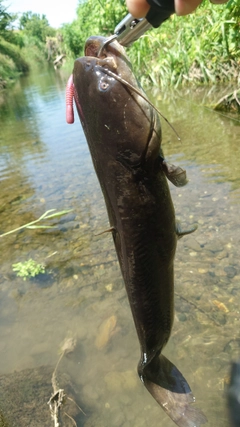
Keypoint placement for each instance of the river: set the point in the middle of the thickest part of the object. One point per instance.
(45, 164)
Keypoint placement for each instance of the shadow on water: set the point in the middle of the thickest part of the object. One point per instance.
(45, 164)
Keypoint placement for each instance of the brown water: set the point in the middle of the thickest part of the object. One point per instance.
(45, 164)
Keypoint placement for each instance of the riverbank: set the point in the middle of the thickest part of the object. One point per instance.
(33, 42)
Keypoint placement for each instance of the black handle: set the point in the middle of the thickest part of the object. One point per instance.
(160, 10)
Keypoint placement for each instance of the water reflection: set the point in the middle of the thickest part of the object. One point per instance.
(208, 137)
(45, 164)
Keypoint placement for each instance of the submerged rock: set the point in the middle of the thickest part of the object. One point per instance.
(24, 396)
(106, 331)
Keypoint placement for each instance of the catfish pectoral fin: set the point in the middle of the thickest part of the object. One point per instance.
(172, 392)
(175, 174)
(109, 230)
(180, 232)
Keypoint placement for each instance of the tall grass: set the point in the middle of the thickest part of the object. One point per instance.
(8, 71)
(203, 47)
(33, 50)
(12, 63)
(14, 52)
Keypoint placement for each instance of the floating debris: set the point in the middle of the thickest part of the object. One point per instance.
(58, 396)
(229, 102)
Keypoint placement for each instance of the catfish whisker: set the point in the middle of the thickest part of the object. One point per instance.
(126, 83)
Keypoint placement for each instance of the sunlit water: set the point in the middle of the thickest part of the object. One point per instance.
(45, 164)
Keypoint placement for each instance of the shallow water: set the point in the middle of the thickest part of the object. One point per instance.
(45, 164)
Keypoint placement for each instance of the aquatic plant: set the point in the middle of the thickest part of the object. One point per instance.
(29, 268)
(31, 225)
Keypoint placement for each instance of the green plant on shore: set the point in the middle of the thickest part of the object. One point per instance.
(27, 269)
(32, 224)
(203, 47)
(19, 49)
(93, 18)
(13, 51)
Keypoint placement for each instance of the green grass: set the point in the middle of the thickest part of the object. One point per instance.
(12, 63)
(8, 71)
(14, 52)
(200, 48)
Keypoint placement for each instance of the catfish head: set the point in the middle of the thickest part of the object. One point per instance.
(118, 123)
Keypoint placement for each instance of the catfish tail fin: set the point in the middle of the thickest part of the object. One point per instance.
(172, 392)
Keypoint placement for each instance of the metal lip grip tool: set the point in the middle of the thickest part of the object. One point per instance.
(130, 28)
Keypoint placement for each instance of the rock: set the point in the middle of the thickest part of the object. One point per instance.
(106, 330)
(24, 396)
(117, 418)
(90, 393)
(213, 247)
(119, 381)
(193, 245)
(182, 317)
(231, 271)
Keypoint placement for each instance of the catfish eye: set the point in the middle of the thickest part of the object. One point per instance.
(103, 85)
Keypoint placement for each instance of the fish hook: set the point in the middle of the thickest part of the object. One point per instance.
(109, 40)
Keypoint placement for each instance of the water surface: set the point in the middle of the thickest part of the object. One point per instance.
(45, 164)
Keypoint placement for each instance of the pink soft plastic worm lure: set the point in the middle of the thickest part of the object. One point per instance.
(69, 100)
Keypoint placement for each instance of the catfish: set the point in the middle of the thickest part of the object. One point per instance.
(123, 133)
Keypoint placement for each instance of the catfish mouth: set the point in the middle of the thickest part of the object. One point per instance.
(100, 47)
(109, 55)
(93, 46)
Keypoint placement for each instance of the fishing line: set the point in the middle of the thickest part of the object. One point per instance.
(126, 83)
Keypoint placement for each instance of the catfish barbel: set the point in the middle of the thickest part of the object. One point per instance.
(124, 135)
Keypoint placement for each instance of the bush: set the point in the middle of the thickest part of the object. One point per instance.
(93, 18)
(202, 47)
(13, 52)
(8, 71)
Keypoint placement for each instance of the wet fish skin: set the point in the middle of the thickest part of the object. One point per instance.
(233, 395)
(124, 134)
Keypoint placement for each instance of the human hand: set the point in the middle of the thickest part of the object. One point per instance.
(184, 7)
(140, 8)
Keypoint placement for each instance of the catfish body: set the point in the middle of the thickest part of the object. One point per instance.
(233, 394)
(124, 135)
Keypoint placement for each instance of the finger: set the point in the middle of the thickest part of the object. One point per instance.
(184, 7)
(218, 1)
(138, 8)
